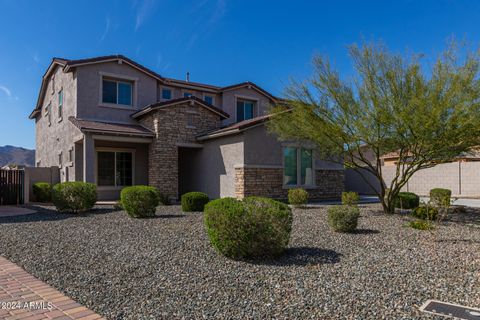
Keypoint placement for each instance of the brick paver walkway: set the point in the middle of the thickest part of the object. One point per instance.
(22, 296)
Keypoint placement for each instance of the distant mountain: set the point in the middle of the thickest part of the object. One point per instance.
(16, 155)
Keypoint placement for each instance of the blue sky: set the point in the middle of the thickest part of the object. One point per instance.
(218, 41)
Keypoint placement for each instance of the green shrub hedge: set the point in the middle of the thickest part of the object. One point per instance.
(407, 200)
(343, 218)
(42, 191)
(74, 196)
(249, 229)
(440, 197)
(297, 197)
(425, 213)
(350, 198)
(194, 201)
(140, 201)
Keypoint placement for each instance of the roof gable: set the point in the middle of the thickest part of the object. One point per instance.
(174, 102)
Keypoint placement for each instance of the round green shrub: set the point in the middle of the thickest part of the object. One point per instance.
(249, 229)
(407, 200)
(74, 196)
(350, 198)
(42, 191)
(343, 218)
(297, 197)
(140, 201)
(194, 201)
(425, 213)
(440, 197)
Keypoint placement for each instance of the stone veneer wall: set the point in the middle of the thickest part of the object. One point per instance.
(171, 131)
(268, 182)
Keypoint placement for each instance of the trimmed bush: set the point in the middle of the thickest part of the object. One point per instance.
(407, 200)
(421, 225)
(343, 218)
(140, 201)
(74, 196)
(194, 201)
(42, 191)
(440, 197)
(350, 198)
(425, 213)
(297, 197)
(249, 229)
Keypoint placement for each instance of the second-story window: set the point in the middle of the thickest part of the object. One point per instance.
(187, 94)
(117, 92)
(60, 103)
(208, 99)
(166, 94)
(244, 110)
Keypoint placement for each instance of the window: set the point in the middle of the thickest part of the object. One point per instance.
(244, 110)
(166, 94)
(60, 159)
(70, 154)
(60, 103)
(187, 94)
(297, 167)
(114, 168)
(208, 99)
(117, 92)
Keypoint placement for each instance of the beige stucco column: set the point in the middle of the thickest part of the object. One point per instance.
(88, 158)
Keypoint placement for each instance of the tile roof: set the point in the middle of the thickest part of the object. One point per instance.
(108, 127)
(173, 102)
(235, 128)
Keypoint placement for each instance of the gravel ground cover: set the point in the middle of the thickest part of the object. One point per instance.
(164, 267)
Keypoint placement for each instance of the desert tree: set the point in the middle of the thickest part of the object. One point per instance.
(425, 114)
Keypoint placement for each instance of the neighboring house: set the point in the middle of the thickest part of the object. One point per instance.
(113, 122)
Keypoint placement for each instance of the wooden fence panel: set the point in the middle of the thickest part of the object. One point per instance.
(12, 187)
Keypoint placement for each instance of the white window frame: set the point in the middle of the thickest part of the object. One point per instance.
(299, 168)
(161, 93)
(118, 78)
(209, 95)
(115, 150)
(256, 105)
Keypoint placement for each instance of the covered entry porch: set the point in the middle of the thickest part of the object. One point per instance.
(112, 159)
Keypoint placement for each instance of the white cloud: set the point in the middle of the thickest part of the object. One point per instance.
(219, 11)
(6, 91)
(144, 11)
(107, 29)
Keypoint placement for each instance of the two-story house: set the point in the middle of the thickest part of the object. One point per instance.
(113, 122)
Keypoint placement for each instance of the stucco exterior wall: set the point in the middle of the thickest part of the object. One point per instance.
(214, 166)
(56, 137)
(89, 97)
(173, 132)
(263, 148)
